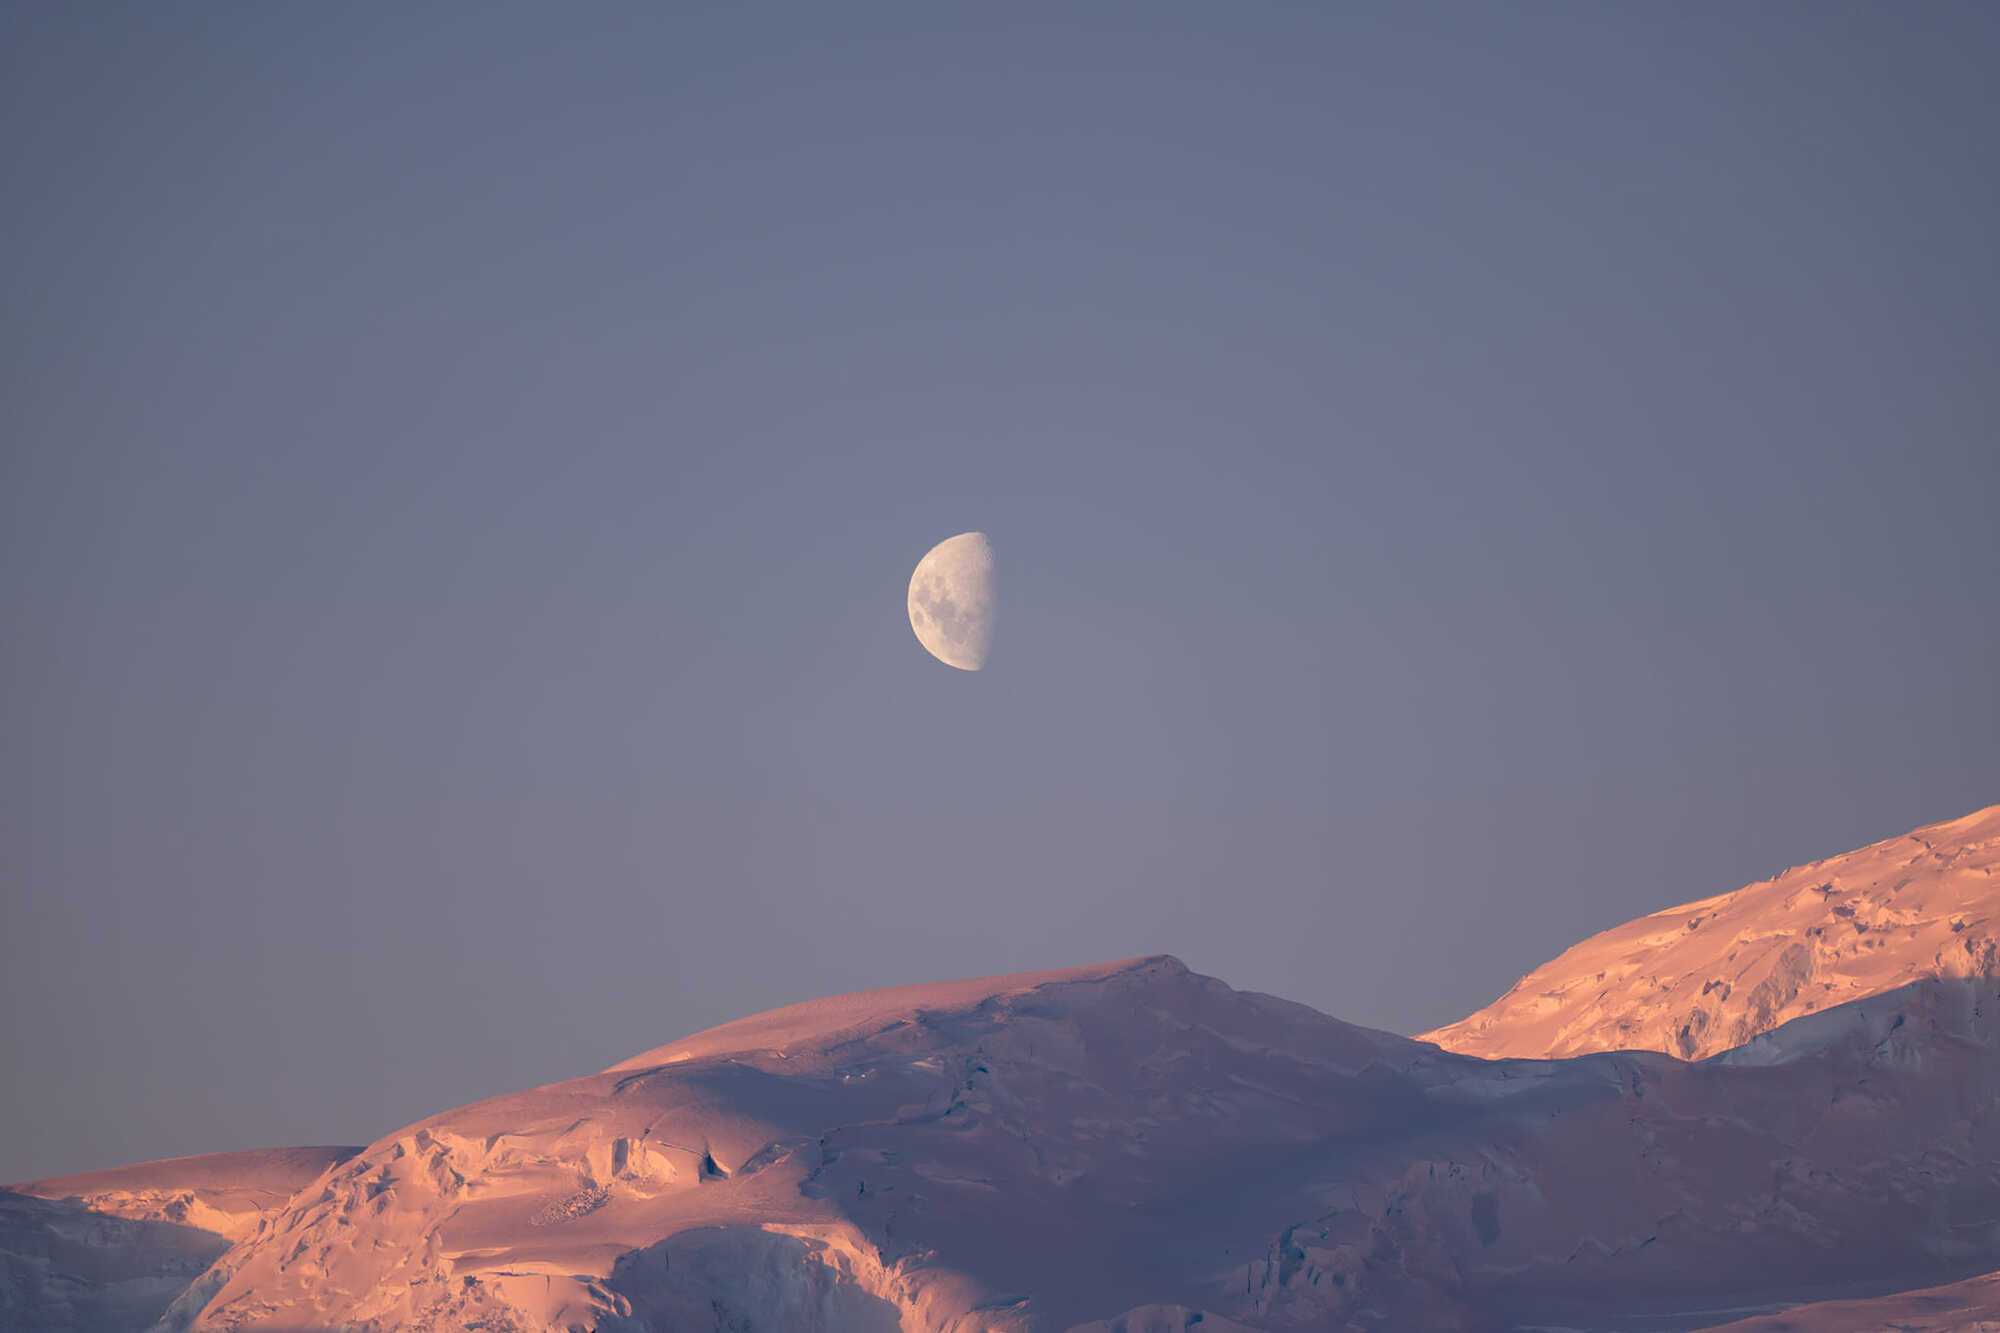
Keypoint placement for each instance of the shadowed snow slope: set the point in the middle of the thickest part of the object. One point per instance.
(1131, 1146)
(1703, 977)
(109, 1250)
(227, 1193)
(1972, 1306)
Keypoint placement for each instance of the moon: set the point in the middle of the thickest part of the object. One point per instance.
(951, 600)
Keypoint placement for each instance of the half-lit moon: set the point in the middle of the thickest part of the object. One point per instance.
(951, 600)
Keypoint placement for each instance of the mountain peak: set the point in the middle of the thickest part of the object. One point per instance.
(1047, 1150)
(1709, 975)
(813, 1023)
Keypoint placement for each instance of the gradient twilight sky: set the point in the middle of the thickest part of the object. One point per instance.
(1462, 476)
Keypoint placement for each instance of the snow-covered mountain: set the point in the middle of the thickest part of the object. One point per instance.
(1133, 1141)
(223, 1193)
(110, 1249)
(1709, 975)
(1130, 1147)
(1971, 1306)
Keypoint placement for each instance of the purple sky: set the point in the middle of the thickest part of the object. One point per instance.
(1462, 477)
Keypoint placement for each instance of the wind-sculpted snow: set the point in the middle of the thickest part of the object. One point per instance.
(1133, 1146)
(1705, 976)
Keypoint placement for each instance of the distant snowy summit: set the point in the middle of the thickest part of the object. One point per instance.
(1706, 976)
(1131, 1146)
